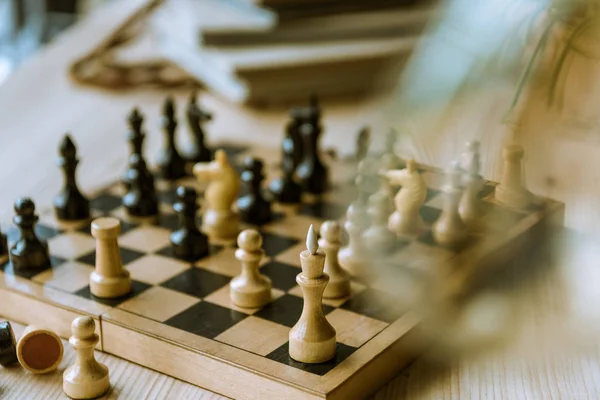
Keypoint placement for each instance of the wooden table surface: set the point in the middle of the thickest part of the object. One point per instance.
(38, 104)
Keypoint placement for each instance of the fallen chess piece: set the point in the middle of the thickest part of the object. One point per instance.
(8, 345)
(39, 350)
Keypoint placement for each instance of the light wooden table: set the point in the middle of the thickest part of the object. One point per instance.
(39, 104)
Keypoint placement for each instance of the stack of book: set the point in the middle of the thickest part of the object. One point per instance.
(272, 51)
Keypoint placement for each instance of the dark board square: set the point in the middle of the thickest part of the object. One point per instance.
(431, 193)
(282, 355)
(8, 268)
(168, 252)
(286, 310)
(196, 282)
(323, 210)
(206, 319)
(168, 195)
(283, 276)
(42, 231)
(375, 304)
(169, 221)
(127, 256)
(105, 203)
(430, 214)
(137, 287)
(274, 244)
(486, 190)
(125, 227)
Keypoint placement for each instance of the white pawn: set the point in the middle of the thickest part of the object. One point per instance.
(449, 229)
(110, 279)
(339, 280)
(87, 378)
(250, 289)
(511, 190)
(378, 238)
(406, 221)
(470, 207)
(470, 160)
(354, 258)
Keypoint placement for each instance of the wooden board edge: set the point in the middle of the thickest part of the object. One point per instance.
(28, 310)
(195, 368)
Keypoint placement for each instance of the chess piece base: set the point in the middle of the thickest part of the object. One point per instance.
(516, 198)
(80, 383)
(39, 350)
(30, 257)
(379, 240)
(337, 288)
(312, 352)
(110, 287)
(254, 296)
(355, 264)
(449, 233)
(406, 224)
(221, 224)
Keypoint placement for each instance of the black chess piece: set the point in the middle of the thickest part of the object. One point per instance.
(69, 203)
(311, 172)
(254, 208)
(3, 244)
(187, 242)
(196, 117)
(140, 200)
(314, 111)
(135, 137)
(363, 141)
(28, 252)
(171, 165)
(292, 139)
(285, 189)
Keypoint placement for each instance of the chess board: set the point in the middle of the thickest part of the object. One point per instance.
(179, 320)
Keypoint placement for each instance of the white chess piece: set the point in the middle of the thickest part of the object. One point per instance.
(449, 229)
(109, 279)
(220, 220)
(339, 280)
(312, 339)
(353, 257)
(511, 190)
(378, 239)
(87, 378)
(406, 220)
(250, 289)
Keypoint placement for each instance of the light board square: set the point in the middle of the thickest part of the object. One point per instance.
(70, 276)
(159, 303)
(155, 269)
(256, 335)
(71, 245)
(146, 238)
(354, 329)
(221, 297)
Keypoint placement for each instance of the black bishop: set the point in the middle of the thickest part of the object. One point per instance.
(171, 165)
(196, 118)
(69, 203)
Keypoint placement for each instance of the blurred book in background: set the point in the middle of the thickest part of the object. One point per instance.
(273, 51)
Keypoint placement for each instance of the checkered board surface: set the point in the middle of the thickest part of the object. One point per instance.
(181, 310)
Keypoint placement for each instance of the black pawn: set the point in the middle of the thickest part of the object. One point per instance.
(3, 244)
(196, 117)
(285, 189)
(140, 200)
(28, 252)
(69, 203)
(312, 172)
(254, 208)
(188, 243)
(171, 165)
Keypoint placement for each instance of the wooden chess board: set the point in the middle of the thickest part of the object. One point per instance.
(179, 320)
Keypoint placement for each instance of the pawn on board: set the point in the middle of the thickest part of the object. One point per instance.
(250, 289)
